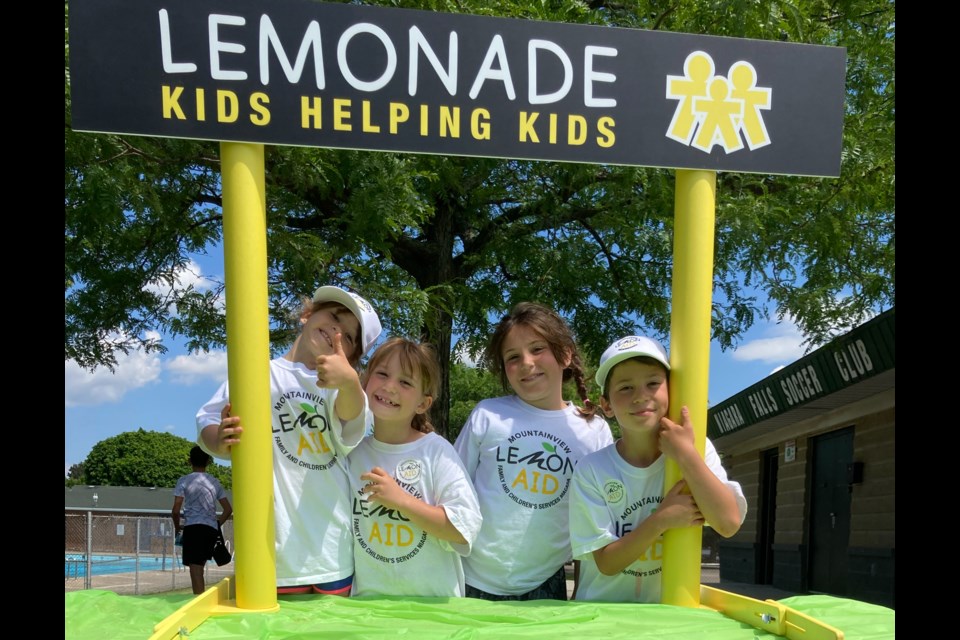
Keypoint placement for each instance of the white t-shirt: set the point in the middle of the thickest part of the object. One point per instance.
(521, 460)
(310, 486)
(200, 492)
(392, 555)
(609, 498)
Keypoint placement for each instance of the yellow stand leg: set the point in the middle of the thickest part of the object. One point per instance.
(248, 362)
(180, 623)
(689, 378)
(690, 315)
(769, 615)
(248, 369)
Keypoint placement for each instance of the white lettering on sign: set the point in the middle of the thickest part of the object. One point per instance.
(762, 402)
(801, 385)
(729, 419)
(853, 361)
(495, 67)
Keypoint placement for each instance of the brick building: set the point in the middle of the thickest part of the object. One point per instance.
(813, 447)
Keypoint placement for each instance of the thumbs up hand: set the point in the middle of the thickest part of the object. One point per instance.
(334, 370)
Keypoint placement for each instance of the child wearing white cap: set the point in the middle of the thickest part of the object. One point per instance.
(618, 511)
(319, 414)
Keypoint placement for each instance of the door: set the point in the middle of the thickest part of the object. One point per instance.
(830, 512)
(770, 462)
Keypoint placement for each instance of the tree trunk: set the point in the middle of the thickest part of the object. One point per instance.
(439, 328)
(441, 338)
(431, 262)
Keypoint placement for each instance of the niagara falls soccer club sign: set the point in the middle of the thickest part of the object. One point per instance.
(295, 72)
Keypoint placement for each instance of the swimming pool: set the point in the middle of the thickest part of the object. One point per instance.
(75, 564)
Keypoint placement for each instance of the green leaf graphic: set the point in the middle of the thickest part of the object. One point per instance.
(549, 447)
(309, 408)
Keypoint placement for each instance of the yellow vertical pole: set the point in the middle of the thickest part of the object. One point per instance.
(690, 315)
(248, 362)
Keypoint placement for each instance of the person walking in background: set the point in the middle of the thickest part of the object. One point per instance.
(319, 413)
(197, 494)
(415, 512)
(618, 512)
(520, 451)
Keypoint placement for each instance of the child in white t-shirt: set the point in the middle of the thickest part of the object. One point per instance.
(414, 509)
(318, 414)
(618, 512)
(520, 451)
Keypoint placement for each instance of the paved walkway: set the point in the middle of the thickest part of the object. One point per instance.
(710, 576)
(161, 581)
(148, 582)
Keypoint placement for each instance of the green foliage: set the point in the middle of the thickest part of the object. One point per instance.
(468, 386)
(74, 475)
(443, 246)
(144, 459)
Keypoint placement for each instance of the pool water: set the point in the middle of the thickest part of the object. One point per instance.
(75, 564)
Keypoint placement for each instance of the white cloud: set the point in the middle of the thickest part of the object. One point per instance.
(780, 349)
(784, 345)
(188, 369)
(462, 355)
(785, 342)
(187, 276)
(101, 386)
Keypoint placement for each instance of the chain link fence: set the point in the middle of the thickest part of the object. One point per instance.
(129, 554)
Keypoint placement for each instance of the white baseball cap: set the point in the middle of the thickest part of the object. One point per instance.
(626, 348)
(369, 321)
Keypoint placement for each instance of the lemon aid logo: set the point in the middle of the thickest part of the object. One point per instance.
(385, 534)
(300, 431)
(535, 470)
(715, 109)
(409, 471)
(613, 491)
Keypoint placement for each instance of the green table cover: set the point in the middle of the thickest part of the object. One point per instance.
(104, 614)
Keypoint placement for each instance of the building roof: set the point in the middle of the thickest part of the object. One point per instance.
(854, 366)
(129, 499)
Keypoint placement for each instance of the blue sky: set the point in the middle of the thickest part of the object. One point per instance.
(163, 392)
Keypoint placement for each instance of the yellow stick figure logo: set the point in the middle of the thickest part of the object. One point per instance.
(716, 110)
(743, 77)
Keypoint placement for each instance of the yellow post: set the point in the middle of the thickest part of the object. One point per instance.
(248, 362)
(694, 211)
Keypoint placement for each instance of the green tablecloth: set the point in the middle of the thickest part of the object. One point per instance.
(104, 614)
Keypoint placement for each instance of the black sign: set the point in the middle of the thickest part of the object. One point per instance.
(866, 351)
(295, 72)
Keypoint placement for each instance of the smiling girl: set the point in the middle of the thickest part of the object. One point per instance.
(415, 511)
(520, 450)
